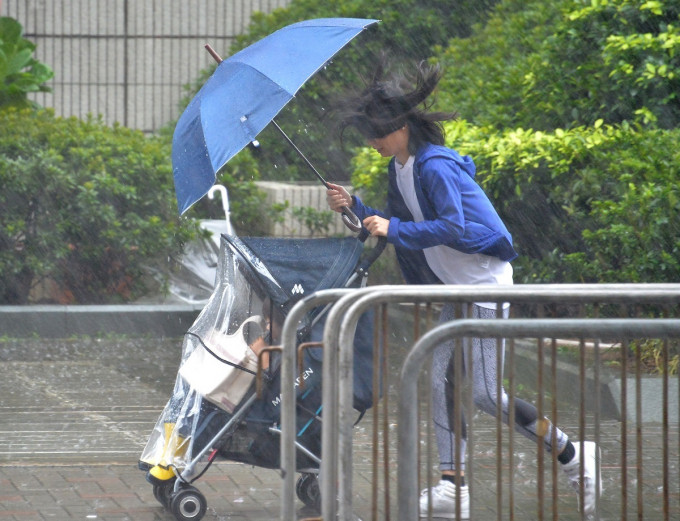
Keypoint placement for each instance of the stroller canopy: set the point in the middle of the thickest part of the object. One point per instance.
(292, 268)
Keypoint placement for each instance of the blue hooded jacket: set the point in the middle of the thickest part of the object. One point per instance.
(457, 213)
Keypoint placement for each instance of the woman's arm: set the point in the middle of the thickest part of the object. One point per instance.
(443, 211)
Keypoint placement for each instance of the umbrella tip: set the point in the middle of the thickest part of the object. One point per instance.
(212, 52)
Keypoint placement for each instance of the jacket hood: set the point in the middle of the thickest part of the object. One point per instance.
(465, 163)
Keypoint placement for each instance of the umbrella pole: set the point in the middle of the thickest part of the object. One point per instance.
(304, 158)
(348, 216)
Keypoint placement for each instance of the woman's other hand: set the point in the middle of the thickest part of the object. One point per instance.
(377, 226)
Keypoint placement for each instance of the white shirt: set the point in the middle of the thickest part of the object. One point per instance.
(450, 265)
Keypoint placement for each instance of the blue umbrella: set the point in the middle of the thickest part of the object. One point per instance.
(244, 94)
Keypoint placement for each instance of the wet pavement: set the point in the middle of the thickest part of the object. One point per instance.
(75, 415)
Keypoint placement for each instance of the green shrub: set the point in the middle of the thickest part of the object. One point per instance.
(597, 204)
(651, 353)
(84, 205)
(20, 73)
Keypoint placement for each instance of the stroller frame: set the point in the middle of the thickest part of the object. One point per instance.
(179, 495)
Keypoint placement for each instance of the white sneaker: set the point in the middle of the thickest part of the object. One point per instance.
(444, 501)
(592, 482)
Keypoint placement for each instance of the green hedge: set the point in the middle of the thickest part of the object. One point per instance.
(597, 204)
(557, 64)
(84, 205)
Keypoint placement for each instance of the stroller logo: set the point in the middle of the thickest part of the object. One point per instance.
(298, 289)
(305, 374)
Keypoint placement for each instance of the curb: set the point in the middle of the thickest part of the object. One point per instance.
(54, 321)
(608, 387)
(568, 380)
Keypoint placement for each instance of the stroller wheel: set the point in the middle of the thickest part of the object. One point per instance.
(188, 504)
(307, 490)
(163, 491)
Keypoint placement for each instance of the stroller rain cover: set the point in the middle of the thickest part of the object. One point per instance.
(257, 282)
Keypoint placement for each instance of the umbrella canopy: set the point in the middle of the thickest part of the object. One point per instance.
(246, 91)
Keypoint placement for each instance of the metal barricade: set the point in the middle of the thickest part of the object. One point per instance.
(349, 305)
(538, 328)
(289, 343)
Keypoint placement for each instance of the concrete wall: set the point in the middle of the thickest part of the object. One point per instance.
(299, 195)
(66, 321)
(128, 60)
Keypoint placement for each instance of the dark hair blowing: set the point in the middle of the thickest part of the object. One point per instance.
(387, 104)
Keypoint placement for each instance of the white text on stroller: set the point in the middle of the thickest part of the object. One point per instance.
(305, 374)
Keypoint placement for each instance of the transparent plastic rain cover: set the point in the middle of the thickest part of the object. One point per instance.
(247, 307)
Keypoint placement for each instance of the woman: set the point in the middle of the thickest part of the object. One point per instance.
(445, 230)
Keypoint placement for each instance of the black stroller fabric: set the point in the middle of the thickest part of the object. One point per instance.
(303, 266)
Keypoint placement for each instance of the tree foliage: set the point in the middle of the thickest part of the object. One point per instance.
(589, 204)
(548, 65)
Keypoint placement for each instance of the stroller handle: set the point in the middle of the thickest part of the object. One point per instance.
(373, 255)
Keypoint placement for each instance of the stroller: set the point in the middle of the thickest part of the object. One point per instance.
(214, 410)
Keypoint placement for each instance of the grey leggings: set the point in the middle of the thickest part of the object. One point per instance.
(485, 372)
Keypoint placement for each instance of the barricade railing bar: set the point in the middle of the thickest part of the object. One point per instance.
(408, 436)
(349, 305)
(288, 374)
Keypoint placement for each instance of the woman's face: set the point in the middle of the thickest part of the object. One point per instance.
(393, 144)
